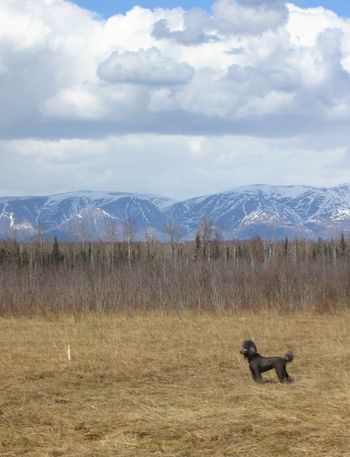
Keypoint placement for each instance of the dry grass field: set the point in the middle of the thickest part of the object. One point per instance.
(173, 385)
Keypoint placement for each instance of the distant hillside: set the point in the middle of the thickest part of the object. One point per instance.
(243, 212)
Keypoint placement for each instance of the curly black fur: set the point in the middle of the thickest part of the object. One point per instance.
(258, 364)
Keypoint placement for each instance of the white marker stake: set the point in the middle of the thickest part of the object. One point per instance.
(69, 353)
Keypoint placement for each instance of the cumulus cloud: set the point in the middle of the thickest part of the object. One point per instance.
(146, 67)
(196, 29)
(248, 17)
(42, 48)
(230, 17)
(251, 67)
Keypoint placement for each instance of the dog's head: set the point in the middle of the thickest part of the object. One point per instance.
(248, 349)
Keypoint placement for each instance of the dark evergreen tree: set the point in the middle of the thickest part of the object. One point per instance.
(342, 245)
(197, 247)
(56, 254)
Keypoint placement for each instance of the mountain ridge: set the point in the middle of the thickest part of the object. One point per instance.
(240, 212)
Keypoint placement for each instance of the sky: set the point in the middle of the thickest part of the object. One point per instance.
(170, 98)
(107, 8)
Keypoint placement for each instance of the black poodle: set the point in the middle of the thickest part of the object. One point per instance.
(258, 364)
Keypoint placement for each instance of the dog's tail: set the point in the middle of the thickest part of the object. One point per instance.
(289, 357)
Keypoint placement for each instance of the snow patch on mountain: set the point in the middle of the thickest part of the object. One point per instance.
(245, 211)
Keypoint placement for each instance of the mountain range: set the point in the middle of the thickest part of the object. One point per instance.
(272, 212)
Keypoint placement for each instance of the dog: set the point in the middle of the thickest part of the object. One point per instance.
(258, 364)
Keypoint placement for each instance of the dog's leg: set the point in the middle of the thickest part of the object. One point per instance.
(280, 371)
(287, 377)
(252, 373)
(256, 374)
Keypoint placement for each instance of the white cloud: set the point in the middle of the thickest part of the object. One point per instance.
(343, 163)
(177, 167)
(230, 17)
(196, 28)
(75, 103)
(66, 73)
(247, 17)
(146, 67)
(199, 86)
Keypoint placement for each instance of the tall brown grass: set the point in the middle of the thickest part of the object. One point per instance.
(173, 385)
(155, 331)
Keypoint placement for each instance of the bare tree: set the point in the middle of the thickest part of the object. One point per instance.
(129, 235)
(150, 238)
(206, 232)
(174, 231)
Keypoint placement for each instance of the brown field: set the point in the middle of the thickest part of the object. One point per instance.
(173, 385)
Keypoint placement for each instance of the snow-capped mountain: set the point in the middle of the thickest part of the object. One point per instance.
(270, 211)
(243, 212)
(82, 215)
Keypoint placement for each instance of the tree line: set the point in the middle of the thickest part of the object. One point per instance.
(206, 274)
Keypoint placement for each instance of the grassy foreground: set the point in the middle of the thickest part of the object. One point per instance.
(173, 385)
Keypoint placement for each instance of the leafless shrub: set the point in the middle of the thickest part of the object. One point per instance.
(49, 278)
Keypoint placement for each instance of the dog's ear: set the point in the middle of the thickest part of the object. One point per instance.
(251, 350)
(249, 344)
